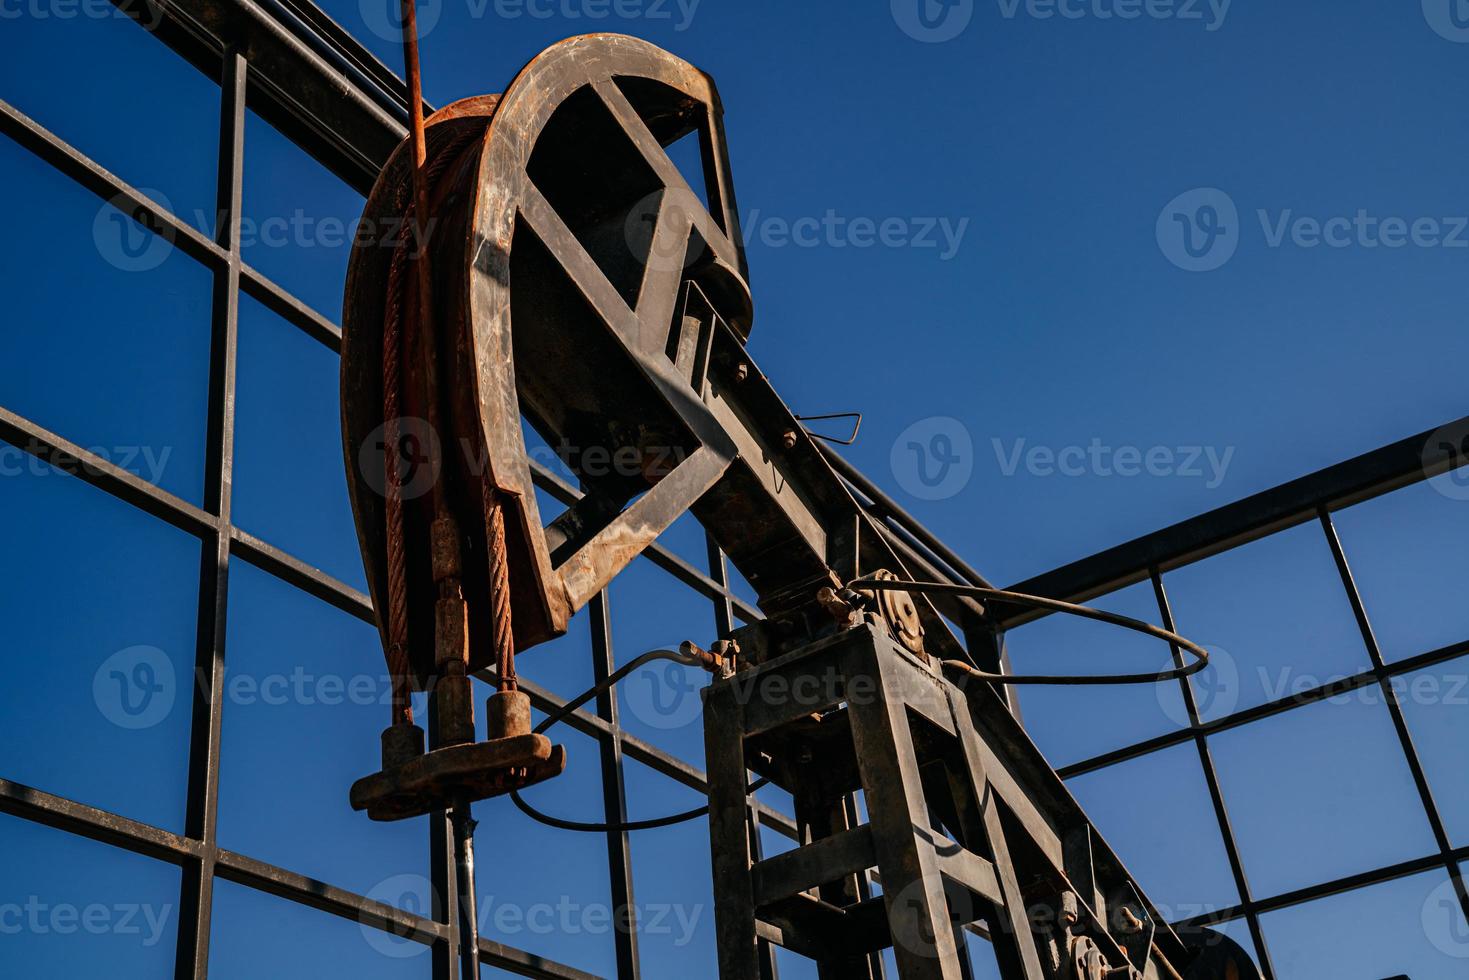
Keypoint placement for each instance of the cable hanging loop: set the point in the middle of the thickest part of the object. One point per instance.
(1201, 656)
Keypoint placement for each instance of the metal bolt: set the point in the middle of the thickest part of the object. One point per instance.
(741, 372)
(789, 439)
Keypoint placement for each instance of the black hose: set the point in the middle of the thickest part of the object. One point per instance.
(568, 709)
(1056, 605)
(616, 828)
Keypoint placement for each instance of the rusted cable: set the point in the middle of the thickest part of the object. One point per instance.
(502, 634)
(397, 612)
(399, 668)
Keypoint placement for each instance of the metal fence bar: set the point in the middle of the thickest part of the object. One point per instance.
(59, 813)
(1327, 889)
(724, 624)
(1216, 793)
(1269, 709)
(196, 894)
(93, 470)
(614, 795)
(1372, 474)
(1395, 709)
(102, 182)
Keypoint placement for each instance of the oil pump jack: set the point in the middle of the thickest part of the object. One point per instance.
(563, 271)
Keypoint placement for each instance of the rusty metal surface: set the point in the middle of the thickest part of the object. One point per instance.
(478, 770)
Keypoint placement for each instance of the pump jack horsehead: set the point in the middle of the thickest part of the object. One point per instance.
(576, 280)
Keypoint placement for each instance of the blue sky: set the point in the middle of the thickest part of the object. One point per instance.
(1135, 269)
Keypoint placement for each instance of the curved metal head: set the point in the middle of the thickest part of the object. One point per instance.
(580, 280)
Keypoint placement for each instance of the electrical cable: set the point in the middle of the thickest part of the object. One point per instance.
(617, 828)
(570, 707)
(566, 710)
(1201, 660)
(1056, 605)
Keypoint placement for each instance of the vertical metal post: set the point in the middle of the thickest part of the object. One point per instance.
(724, 625)
(614, 796)
(1216, 794)
(444, 877)
(463, 823)
(196, 895)
(729, 836)
(912, 886)
(1395, 709)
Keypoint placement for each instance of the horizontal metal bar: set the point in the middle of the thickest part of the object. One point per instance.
(527, 964)
(60, 813)
(1322, 692)
(275, 298)
(1372, 474)
(106, 185)
(319, 895)
(307, 578)
(828, 859)
(1328, 889)
(95, 471)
